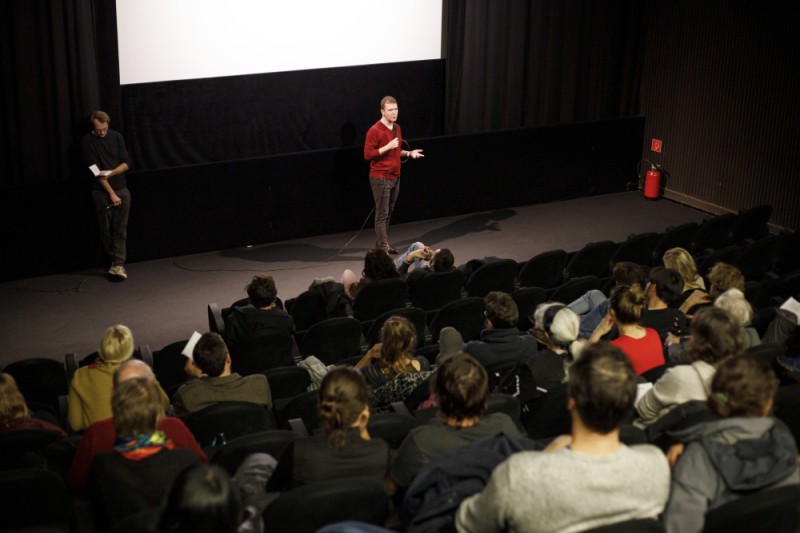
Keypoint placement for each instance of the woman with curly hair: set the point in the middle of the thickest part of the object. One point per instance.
(377, 265)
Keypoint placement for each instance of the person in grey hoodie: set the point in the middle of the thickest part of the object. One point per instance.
(744, 451)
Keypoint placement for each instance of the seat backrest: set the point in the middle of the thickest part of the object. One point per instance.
(545, 270)
(332, 340)
(676, 237)
(391, 427)
(287, 381)
(257, 354)
(591, 260)
(505, 403)
(727, 254)
(713, 234)
(380, 296)
(234, 452)
(527, 299)
(307, 309)
(40, 380)
(493, 276)
(465, 315)
(168, 365)
(637, 249)
(34, 499)
(759, 257)
(308, 508)
(752, 224)
(415, 315)
(436, 289)
(232, 419)
(304, 406)
(21, 449)
(775, 510)
(681, 416)
(572, 289)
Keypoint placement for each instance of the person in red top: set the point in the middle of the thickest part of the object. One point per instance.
(641, 345)
(383, 149)
(102, 435)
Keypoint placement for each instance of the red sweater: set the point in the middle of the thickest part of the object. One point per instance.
(644, 353)
(386, 166)
(100, 437)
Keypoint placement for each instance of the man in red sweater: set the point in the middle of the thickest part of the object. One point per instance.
(383, 149)
(101, 436)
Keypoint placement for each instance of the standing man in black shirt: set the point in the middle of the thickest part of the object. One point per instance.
(105, 153)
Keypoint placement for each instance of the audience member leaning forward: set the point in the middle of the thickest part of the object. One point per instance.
(585, 480)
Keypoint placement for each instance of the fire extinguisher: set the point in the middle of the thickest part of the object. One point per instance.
(652, 180)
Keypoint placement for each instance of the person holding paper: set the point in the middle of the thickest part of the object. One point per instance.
(107, 157)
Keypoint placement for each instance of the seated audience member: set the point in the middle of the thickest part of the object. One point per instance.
(214, 381)
(722, 277)
(377, 265)
(683, 263)
(14, 413)
(90, 389)
(346, 448)
(501, 340)
(260, 316)
(461, 387)
(582, 481)
(557, 327)
(642, 345)
(390, 368)
(101, 436)
(734, 302)
(203, 498)
(593, 305)
(137, 474)
(743, 452)
(714, 336)
(665, 286)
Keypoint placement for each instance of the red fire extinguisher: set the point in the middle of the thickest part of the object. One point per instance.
(652, 180)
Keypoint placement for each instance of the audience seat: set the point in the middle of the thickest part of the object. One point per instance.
(25, 448)
(496, 275)
(391, 427)
(759, 257)
(287, 381)
(34, 500)
(675, 237)
(775, 510)
(547, 416)
(308, 508)
(234, 452)
(574, 288)
(545, 270)
(637, 249)
(142, 522)
(591, 260)
(231, 419)
(681, 416)
(789, 257)
(168, 366)
(437, 289)
(257, 354)
(465, 315)
(304, 406)
(751, 224)
(306, 310)
(380, 296)
(527, 299)
(333, 340)
(728, 254)
(41, 381)
(713, 234)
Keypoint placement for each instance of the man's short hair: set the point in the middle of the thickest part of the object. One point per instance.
(461, 386)
(387, 100)
(501, 310)
(628, 273)
(668, 283)
(602, 383)
(210, 353)
(136, 407)
(261, 290)
(443, 260)
(100, 116)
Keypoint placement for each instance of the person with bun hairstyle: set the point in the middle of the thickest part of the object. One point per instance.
(641, 345)
(557, 328)
(743, 452)
(715, 336)
(346, 448)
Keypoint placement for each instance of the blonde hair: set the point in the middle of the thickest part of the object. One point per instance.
(682, 261)
(12, 403)
(116, 345)
(398, 337)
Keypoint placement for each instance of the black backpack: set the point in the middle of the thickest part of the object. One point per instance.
(532, 377)
(334, 300)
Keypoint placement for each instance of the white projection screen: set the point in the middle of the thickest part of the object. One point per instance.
(163, 40)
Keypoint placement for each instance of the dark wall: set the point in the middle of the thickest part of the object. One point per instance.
(199, 208)
(720, 87)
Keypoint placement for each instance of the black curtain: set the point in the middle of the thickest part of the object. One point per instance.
(50, 86)
(525, 63)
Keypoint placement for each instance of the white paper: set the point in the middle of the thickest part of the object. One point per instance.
(793, 306)
(97, 172)
(641, 390)
(189, 348)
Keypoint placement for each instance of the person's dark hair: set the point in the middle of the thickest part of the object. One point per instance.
(378, 265)
(723, 277)
(501, 310)
(714, 335)
(668, 283)
(443, 260)
(461, 386)
(100, 116)
(202, 500)
(343, 396)
(261, 290)
(398, 338)
(742, 386)
(602, 383)
(627, 302)
(628, 273)
(136, 407)
(210, 353)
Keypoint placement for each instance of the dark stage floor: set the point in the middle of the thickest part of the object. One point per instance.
(165, 300)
